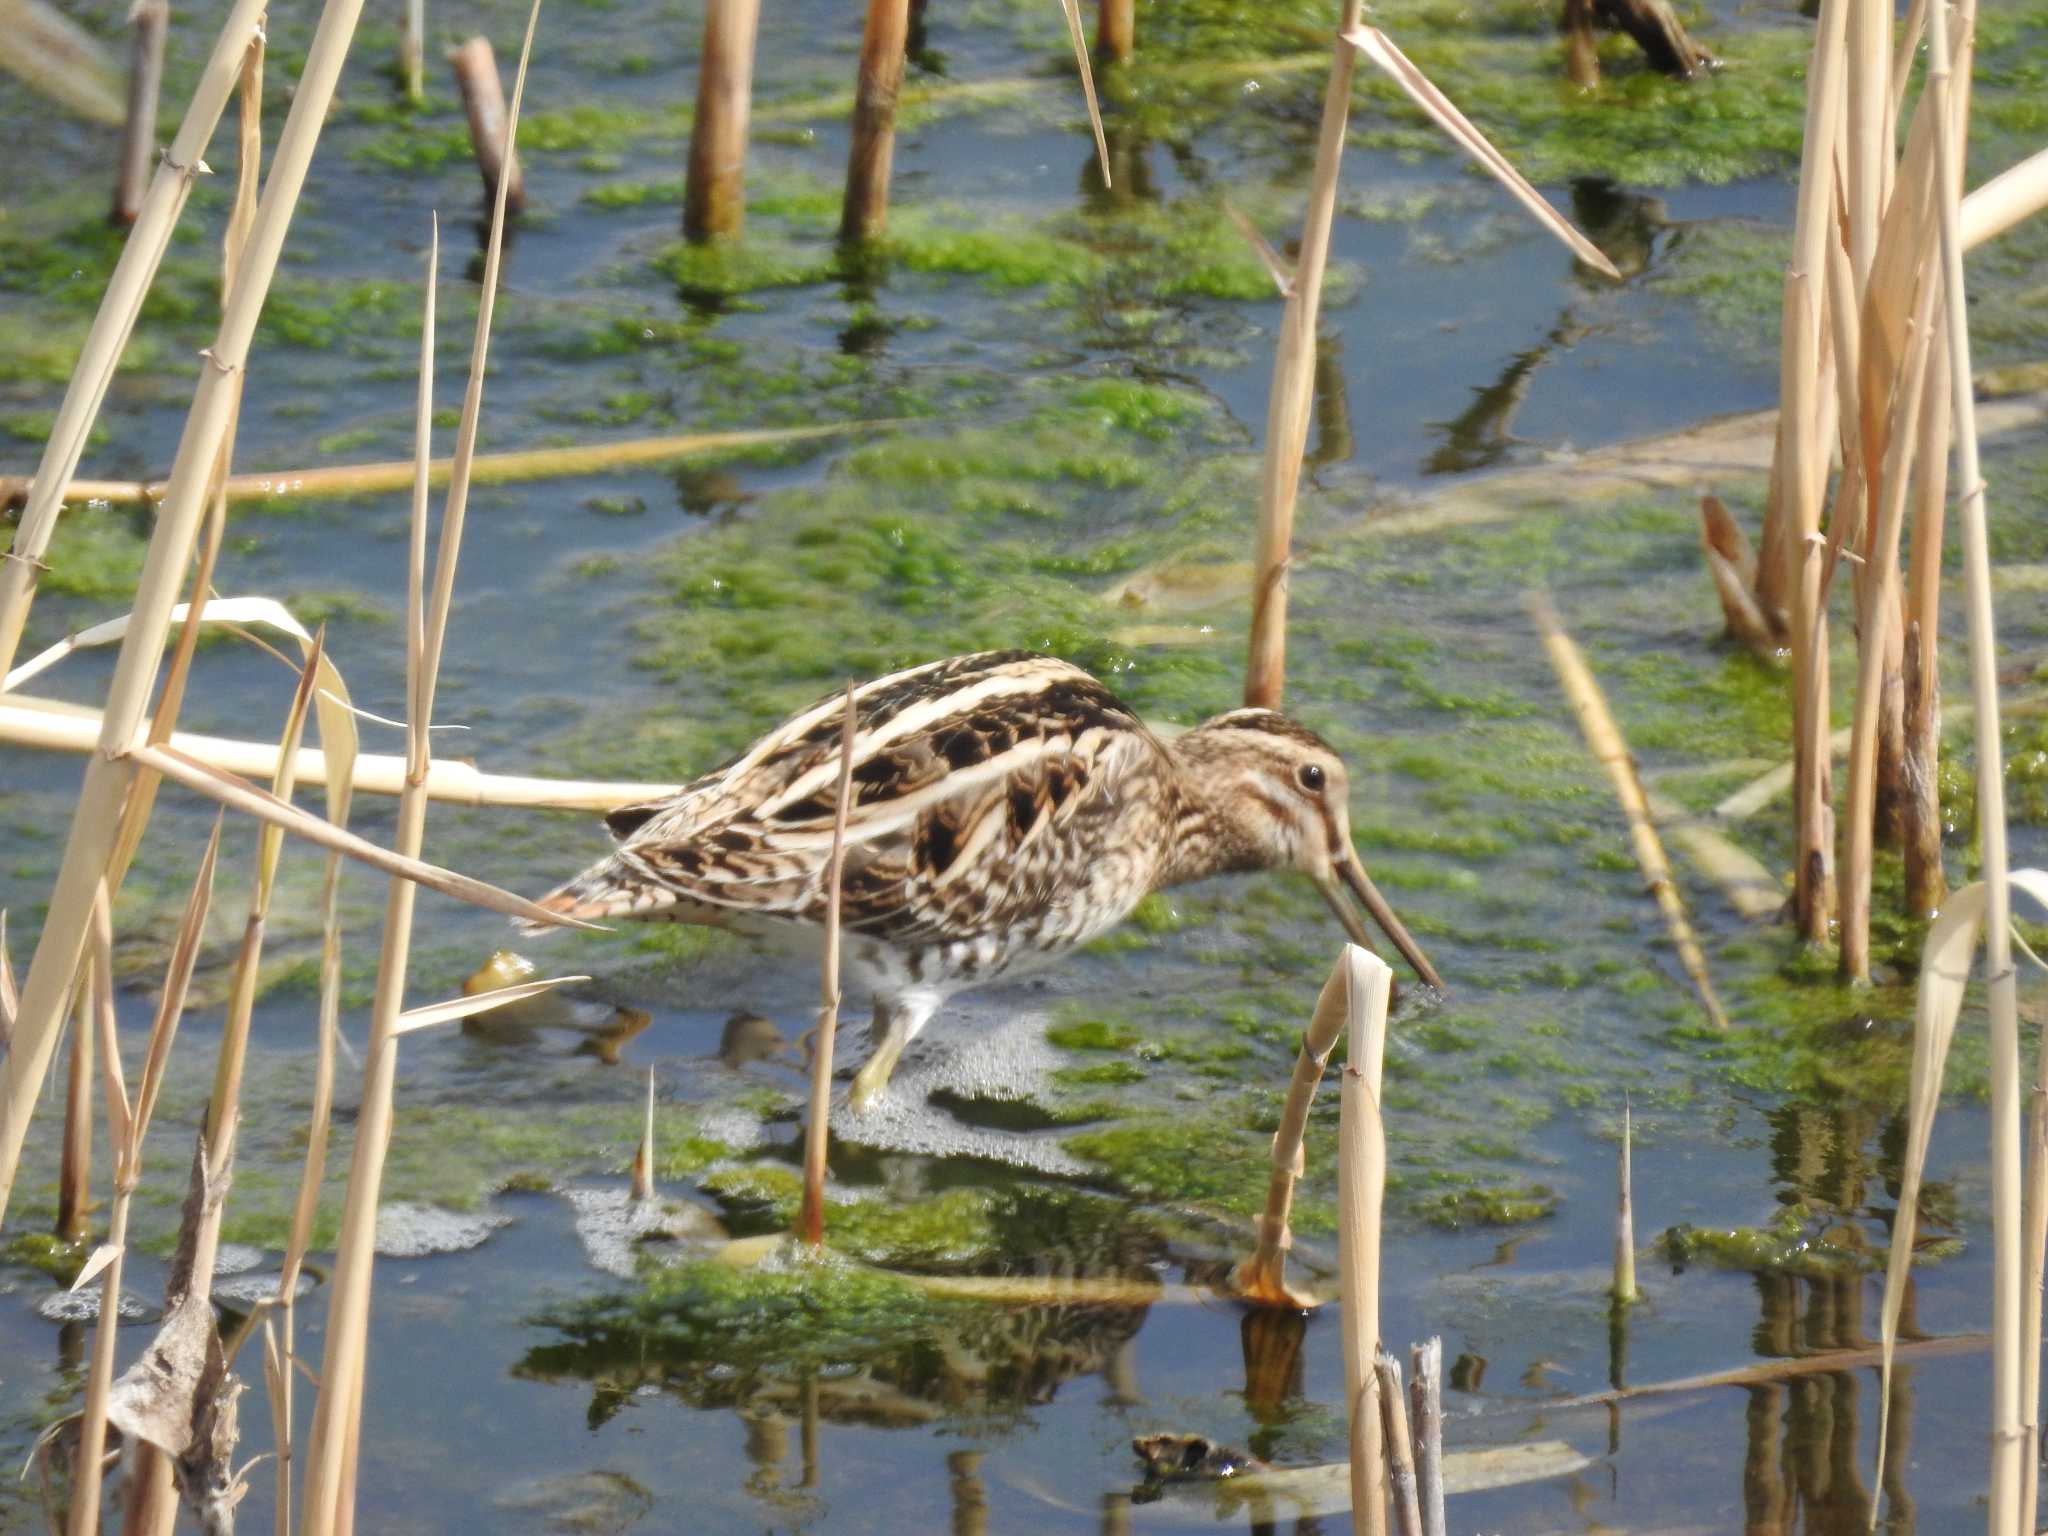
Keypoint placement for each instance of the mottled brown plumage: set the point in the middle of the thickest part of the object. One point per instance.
(1005, 808)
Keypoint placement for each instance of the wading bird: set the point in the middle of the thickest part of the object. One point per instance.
(1004, 808)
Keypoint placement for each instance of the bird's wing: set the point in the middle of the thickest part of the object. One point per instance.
(961, 769)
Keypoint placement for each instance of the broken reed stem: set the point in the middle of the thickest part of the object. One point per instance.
(483, 100)
(74, 1176)
(109, 772)
(811, 1218)
(865, 209)
(643, 1155)
(2010, 1447)
(26, 722)
(1262, 1278)
(1116, 30)
(1604, 741)
(412, 51)
(150, 19)
(714, 186)
(111, 326)
(1402, 1489)
(1625, 1292)
(488, 469)
(1361, 1193)
(1287, 405)
(1426, 1411)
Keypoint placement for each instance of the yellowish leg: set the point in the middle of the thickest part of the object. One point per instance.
(873, 1077)
(895, 1026)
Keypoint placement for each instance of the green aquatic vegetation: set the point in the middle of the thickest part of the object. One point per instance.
(1473, 1205)
(48, 1254)
(1002, 253)
(95, 552)
(802, 1316)
(1796, 1241)
(726, 269)
(947, 1231)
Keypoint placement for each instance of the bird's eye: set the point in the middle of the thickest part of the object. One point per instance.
(1312, 778)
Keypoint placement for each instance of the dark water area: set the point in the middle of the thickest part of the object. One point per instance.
(1073, 386)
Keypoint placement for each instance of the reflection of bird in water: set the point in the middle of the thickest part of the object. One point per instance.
(1005, 807)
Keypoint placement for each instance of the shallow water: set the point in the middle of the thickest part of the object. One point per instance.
(1085, 378)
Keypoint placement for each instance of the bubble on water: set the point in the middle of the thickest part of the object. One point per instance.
(978, 1053)
(615, 1229)
(250, 1289)
(235, 1259)
(84, 1306)
(409, 1231)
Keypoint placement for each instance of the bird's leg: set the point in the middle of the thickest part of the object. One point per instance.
(895, 1025)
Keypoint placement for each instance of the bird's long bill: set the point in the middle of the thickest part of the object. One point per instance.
(1361, 885)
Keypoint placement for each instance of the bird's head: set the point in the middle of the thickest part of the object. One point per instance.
(1276, 796)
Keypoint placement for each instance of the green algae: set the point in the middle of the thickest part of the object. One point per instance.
(951, 1230)
(809, 1315)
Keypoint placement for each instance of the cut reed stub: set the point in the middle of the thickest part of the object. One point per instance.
(151, 20)
(714, 187)
(872, 152)
(483, 98)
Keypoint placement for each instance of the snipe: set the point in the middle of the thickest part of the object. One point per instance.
(1006, 807)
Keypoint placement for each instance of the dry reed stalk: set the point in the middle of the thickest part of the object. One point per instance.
(865, 209)
(1116, 30)
(643, 1155)
(150, 19)
(60, 60)
(1877, 621)
(1403, 1491)
(810, 1224)
(1072, 8)
(1287, 406)
(1761, 1373)
(2010, 1446)
(150, 1468)
(74, 1174)
(1262, 1278)
(2018, 192)
(1813, 884)
(141, 800)
(281, 1361)
(1604, 741)
(489, 468)
(483, 101)
(412, 51)
(111, 326)
(1733, 570)
(1920, 810)
(52, 726)
(1625, 1293)
(84, 1514)
(1867, 140)
(109, 772)
(1426, 1411)
(328, 1503)
(1800, 467)
(714, 187)
(1361, 1192)
(126, 1128)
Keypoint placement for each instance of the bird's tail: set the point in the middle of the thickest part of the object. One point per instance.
(612, 887)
